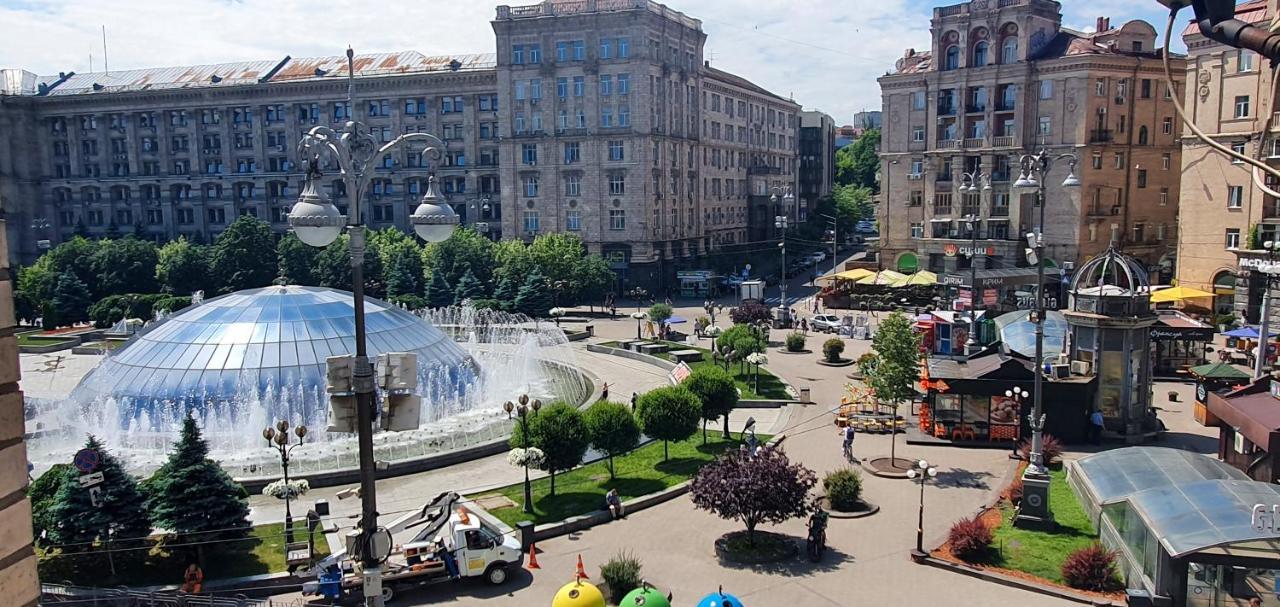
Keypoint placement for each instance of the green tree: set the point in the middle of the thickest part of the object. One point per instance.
(42, 492)
(125, 265)
(560, 431)
(659, 313)
(613, 430)
(894, 375)
(466, 249)
(668, 414)
(296, 261)
(122, 511)
(439, 293)
(593, 279)
(402, 265)
(717, 392)
(71, 301)
(333, 267)
(506, 291)
(469, 288)
(852, 204)
(534, 298)
(74, 256)
(182, 267)
(239, 254)
(858, 162)
(192, 496)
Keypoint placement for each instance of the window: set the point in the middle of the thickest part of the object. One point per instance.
(951, 59)
(1097, 160)
(1100, 87)
(606, 117)
(1145, 91)
(531, 221)
(572, 185)
(517, 54)
(1238, 148)
(535, 90)
(573, 221)
(917, 134)
(1139, 232)
(529, 153)
(1119, 160)
(579, 50)
(1242, 106)
(624, 48)
(624, 115)
(520, 90)
(917, 100)
(1165, 161)
(1164, 197)
(1244, 60)
(1142, 135)
(562, 51)
(562, 87)
(1046, 127)
(1009, 50)
(1167, 126)
(1235, 196)
(617, 219)
(917, 230)
(617, 185)
(384, 212)
(579, 86)
(520, 123)
(624, 84)
(1233, 238)
(535, 53)
(1142, 178)
(580, 120)
(606, 48)
(572, 152)
(531, 186)
(980, 51)
(606, 85)
(216, 216)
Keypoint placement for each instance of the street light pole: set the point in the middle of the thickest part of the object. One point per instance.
(974, 183)
(781, 222)
(522, 412)
(1272, 249)
(278, 439)
(1035, 168)
(835, 240)
(317, 222)
(920, 473)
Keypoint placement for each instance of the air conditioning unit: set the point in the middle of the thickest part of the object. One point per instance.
(1060, 371)
(915, 176)
(1080, 367)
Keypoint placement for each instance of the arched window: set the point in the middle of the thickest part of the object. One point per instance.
(1142, 136)
(980, 53)
(952, 58)
(1224, 291)
(1009, 50)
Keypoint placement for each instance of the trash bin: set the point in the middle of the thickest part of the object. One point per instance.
(804, 395)
(322, 507)
(1138, 597)
(525, 531)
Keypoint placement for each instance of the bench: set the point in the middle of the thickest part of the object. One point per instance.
(652, 348)
(686, 356)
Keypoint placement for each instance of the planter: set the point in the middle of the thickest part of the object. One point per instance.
(786, 351)
(843, 362)
(770, 548)
(867, 509)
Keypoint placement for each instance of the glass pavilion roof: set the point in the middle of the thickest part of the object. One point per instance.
(1112, 476)
(275, 336)
(1018, 333)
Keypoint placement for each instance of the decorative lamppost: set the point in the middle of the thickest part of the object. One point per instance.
(637, 294)
(974, 183)
(557, 314)
(278, 439)
(639, 316)
(921, 473)
(318, 222)
(781, 222)
(523, 412)
(1019, 396)
(1034, 509)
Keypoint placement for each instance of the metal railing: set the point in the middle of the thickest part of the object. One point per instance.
(88, 596)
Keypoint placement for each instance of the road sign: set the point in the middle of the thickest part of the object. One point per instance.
(86, 460)
(89, 480)
(95, 496)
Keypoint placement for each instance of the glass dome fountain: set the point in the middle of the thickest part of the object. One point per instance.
(241, 361)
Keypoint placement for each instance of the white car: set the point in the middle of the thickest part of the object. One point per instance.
(818, 257)
(828, 323)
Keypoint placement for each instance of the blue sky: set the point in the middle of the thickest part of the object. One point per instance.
(825, 53)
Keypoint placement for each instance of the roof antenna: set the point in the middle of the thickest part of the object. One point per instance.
(351, 76)
(106, 66)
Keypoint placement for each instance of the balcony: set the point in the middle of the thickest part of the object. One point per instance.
(1100, 136)
(947, 144)
(1099, 211)
(1003, 141)
(975, 108)
(975, 142)
(1000, 210)
(1006, 106)
(946, 110)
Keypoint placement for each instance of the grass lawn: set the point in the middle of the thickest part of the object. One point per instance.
(1042, 554)
(35, 339)
(640, 472)
(770, 386)
(261, 552)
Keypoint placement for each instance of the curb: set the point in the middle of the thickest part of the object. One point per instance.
(667, 365)
(874, 472)
(871, 509)
(783, 350)
(1014, 582)
(848, 362)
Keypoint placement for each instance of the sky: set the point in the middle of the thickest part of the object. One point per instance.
(825, 54)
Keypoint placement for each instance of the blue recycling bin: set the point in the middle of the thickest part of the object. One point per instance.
(331, 584)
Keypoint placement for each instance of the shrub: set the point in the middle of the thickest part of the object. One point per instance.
(613, 430)
(1091, 568)
(659, 313)
(111, 309)
(832, 349)
(844, 489)
(669, 414)
(1015, 491)
(795, 342)
(622, 574)
(970, 538)
(1051, 448)
(750, 313)
(171, 304)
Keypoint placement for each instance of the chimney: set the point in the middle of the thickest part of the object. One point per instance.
(1100, 25)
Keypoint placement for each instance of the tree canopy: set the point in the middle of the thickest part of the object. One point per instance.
(858, 162)
(717, 392)
(613, 430)
(754, 488)
(192, 494)
(182, 267)
(668, 414)
(122, 513)
(560, 431)
(239, 252)
(896, 368)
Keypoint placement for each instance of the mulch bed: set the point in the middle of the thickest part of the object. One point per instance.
(770, 548)
(885, 466)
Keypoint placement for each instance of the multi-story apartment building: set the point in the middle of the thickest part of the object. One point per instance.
(1004, 79)
(1221, 206)
(595, 117)
(817, 158)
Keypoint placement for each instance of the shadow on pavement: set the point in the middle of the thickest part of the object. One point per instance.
(800, 565)
(961, 478)
(1198, 443)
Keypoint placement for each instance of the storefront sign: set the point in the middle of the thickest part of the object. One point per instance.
(1266, 518)
(694, 275)
(968, 251)
(990, 297)
(1262, 265)
(1193, 334)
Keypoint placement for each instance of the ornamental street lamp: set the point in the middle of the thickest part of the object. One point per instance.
(278, 439)
(523, 412)
(974, 183)
(781, 223)
(835, 240)
(318, 222)
(1034, 508)
(920, 473)
(787, 198)
(639, 316)
(1019, 396)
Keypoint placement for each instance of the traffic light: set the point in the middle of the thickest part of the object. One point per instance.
(398, 378)
(342, 394)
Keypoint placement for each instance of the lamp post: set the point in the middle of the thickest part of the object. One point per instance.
(786, 198)
(318, 222)
(1019, 396)
(480, 205)
(1268, 270)
(974, 183)
(637, 294)
(1034, 509)
(780, 222)
(278, 439)
(522, 413)
(920, 473)
(835, 239)
(557, 314)
(639, 316)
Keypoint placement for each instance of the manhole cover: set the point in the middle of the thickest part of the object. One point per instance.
(495, 502)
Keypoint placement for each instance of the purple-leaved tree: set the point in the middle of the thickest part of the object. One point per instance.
(764, 488)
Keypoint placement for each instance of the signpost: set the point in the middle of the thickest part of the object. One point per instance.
(86, 461)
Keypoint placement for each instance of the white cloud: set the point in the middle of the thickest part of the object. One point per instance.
(825, 53)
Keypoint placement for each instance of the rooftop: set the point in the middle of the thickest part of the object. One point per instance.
(556, 8)
(741, 82)
(1249, 12)
(1112, 476)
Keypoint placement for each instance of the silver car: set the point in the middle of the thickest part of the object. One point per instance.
(827, 323)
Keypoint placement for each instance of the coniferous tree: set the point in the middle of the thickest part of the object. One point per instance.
(506, 291)
(72, 518)
(71, 300)
(534, 298)
(439, 294)
(469, 287)
(192, 494)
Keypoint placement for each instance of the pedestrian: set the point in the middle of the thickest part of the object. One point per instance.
(1095, 427)
(804, 326)
(849, 435)
(613, 501)
(613, 311)
(604, 392)
(193, 578)
(667, 300)
(635, 396)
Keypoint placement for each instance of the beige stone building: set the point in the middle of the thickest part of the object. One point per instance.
(1229, 96)
(1004, 79)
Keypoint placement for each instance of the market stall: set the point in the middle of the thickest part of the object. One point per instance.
(1178, 342)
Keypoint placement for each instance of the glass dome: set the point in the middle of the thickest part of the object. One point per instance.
(1018, 333)
(258, 341)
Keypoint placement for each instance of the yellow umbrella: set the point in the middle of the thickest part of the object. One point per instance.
(923, 277)
(882, 277)
(1177, 294)
(855, 274)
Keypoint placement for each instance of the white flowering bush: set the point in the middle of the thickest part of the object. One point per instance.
(290, 490)
(713, 331)
(531, 457)
(756, 358)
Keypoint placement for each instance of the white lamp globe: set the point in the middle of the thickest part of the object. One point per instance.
(314, 218)
(433, 221)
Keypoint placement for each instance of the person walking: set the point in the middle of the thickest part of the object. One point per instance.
(1095, 427)
(604, 391)
(849, 435)
(635, 396)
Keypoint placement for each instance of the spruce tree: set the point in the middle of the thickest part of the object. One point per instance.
(534, 298)
(191, 493)
(469, 287)
(439, 294)
(71, 300)
(506, 292)
(72, 518)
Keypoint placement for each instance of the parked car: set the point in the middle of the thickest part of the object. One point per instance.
(865, 227)
(818, 257)
(826, 323)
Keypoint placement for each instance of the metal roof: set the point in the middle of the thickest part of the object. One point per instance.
(252, 72)
(1113, 476)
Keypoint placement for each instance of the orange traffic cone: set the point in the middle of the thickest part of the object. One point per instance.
(581, 573)
(533, 557)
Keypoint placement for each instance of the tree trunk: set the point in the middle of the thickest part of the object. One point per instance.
(726, 426)
(553, 483)
(704, 430)
(893, 437)
(751, 534)
(665, 454)
(611, 476)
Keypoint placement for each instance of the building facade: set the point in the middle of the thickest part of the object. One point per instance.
(597, 118)
(1003, 80)
(1222, 206)
(817, 158)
